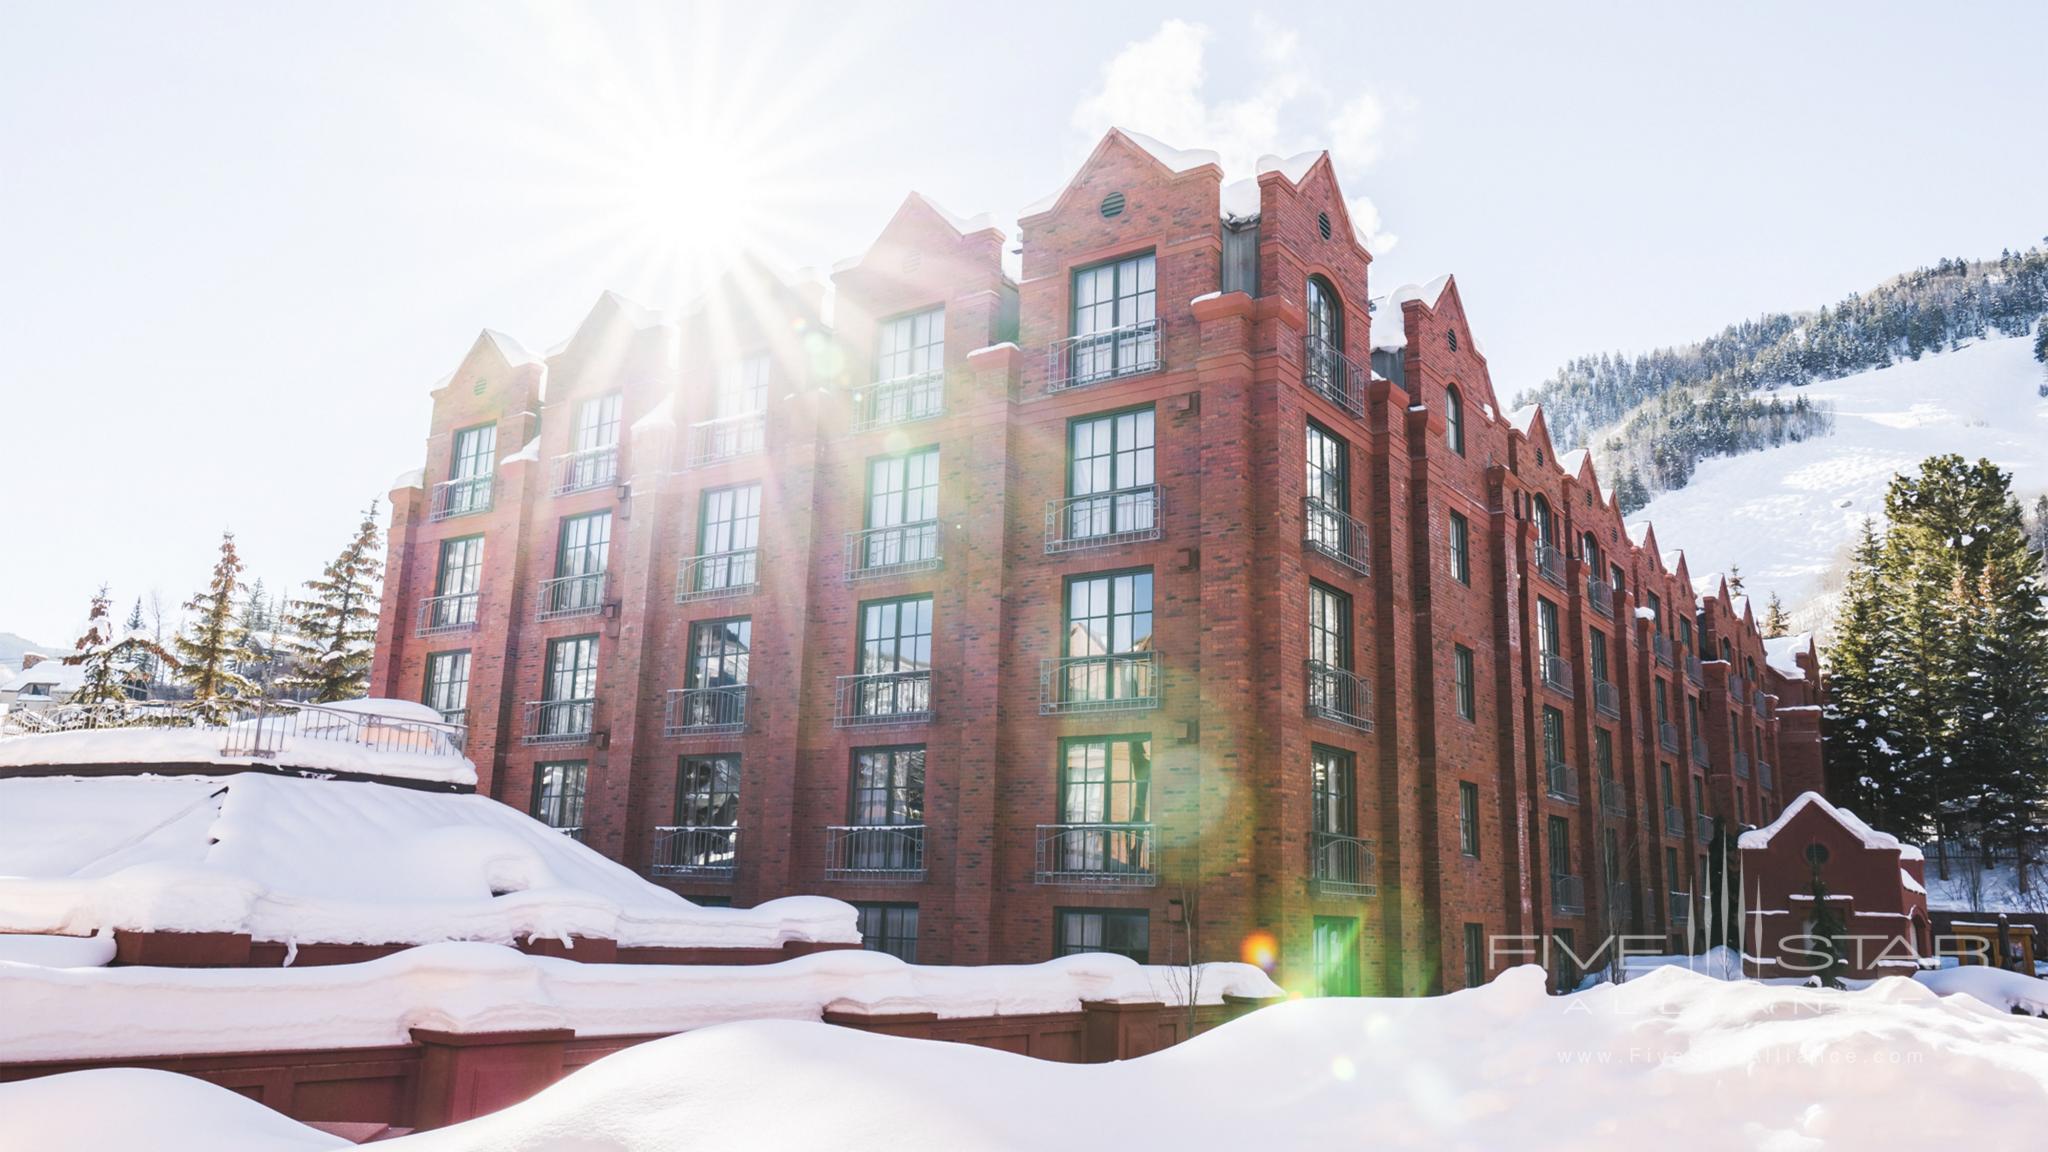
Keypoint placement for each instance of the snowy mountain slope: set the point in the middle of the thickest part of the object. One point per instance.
(1787, 515)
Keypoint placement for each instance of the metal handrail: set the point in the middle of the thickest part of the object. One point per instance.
(1681, 906)
(463, 496)
(1699, 751)
(455, 612)
(586, 468)
(1096, 855)
(1326, 370)
(1674, 820)
(716, 574)
(903, 400)
(1693, 672)
(874, 699)
(1559, 781)
(893, 852)
(893, 549)
(559, 721)
(1667, 737)
(1600, 595)
(1621, 900)
(1567, 894)
(1661, 645)
(717, 710)
(1337, 534)
(1613, 799)
(1549, 562)
(726, 437)
(1132, 350)
(271, 727)
(1100, 519)
(1557, 673)
(1607, 698)
(1338, 695)
(1105, 683)
(1756, 701)
(565, 596)
(1341, 865)
(1703, 827)
(695, 850)
(1742, 763)
(1765, 777)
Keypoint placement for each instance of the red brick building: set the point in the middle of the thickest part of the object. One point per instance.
(1875, 886)
(1169, 583)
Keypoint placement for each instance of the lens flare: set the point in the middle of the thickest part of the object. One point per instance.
(1261, 949)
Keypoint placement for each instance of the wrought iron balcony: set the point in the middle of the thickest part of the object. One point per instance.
(458, 717)
(889, 551)
(559, 721)
(1096, 855)
(586, 469)
(1613, 798)
(695, 850)
(1661, 645)
(726, 438)
(566, 596)
(875, 852)
(462, 496)
(715, 711)
(1102, 519)
(1742, 763)
(717, 574)
(1567, 894)
(881, 699)
(1343, 866)
(1560, 782)
(1337, 377)
(1132, 350)
(1113, 682)
(1693, 673)
(1339, 695)
(1699, 752)
(1765, 777)
(1607, 699)
(1667, 738)
(904, 400)
(1557, 673)
(1550, 563)
(456, 612)
(1681, 907)
(1703, 828)
(1334, 533)
(1621, 900)
(1600, 595)
(1757, 703)
(1674, 820)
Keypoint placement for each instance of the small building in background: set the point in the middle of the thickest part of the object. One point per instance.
(1875, 885)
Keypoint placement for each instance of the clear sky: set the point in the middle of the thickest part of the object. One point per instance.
(239, 243)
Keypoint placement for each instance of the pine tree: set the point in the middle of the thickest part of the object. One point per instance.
(113, 663)
(2004, 719)
(334, 630)
(1776, 622)
(1734, 580)
(138, 626)
(253, 656)
(1862, 737)
(209, 649)
(1827, 931)
(2040, 532)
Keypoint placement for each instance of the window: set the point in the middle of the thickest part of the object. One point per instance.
(1547, 636)
(728, 533)
(1663, 702)
(1124, 931)
(476, 453)
(1468, 818)
(456, 583)
(1616, 580)
(1109, 475)
(913, 345)
(1590, 545)
(1553, 736)
(1603, 754)
(1325, 319)
(890, 928)
(597, 424)
(903, 510)
(1685, 632)
(1741, 806)
(708, 791)
(1336, 946)
(1596, 654)
(887, 792)
(1461, 549)
(1108, 637)
(895, 656)
(558, 793)
(1670, 795)
(1567, 962)
(1106, 781)
(1454, 420)
(1328, 504)
(1546, 524)
(1333, 790)
(1560, 846)
(1329, 626)
(570, 691)
(582, 552)
(1610, 857)
(719, 652)
(1699, 795)
(1671, 876)
(1464, 682)
(743, 388)
(1116, 304)
(447, 687)
(1657, 610)
(1475, 955)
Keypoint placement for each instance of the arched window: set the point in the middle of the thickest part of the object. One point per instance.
(1591, 544)
(1454, 420)
(1546, 526)
(1325, 328)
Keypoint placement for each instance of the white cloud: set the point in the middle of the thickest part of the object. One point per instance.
(1365, 220)
(1356, 129)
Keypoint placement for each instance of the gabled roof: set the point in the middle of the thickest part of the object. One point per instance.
(1760, 838)
(915, 207)
(1175, 161)
(1782, 654)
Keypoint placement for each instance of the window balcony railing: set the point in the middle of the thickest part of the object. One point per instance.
(1133, 350)
(904, 400)
(1343, 866)
(1104, 518)
(462, 496)
(567, 596)
(884, 698)
(1559, 781)
(1613, 798)
(572, 831)
(1757, 704)
(456, 612)
(695, 850)
(1621, 901)
(1567, 894)
(1681, 907)
(1550, 563)
(1699, 752)
(1337, 377)
(1600, 595)
(559, 721)
(586, 469)
(1330, 530)
(456, 716)
(1674, 820)
(1661, 645)
(874, 852)
(1339, 695)
(1096, 855)
(1667, 738)
(1607, 699)
(898, 548)
(726, 438)
(715, 711)
(1109, 683)
(1703, 828)
(1694, 675)
(1764, 776)
(1742, 763)
(1557, 673)
(717, 574)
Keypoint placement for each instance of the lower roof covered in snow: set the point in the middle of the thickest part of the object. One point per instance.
(1761, 837)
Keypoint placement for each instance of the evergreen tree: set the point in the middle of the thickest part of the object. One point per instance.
(138, 626)
(334, 630)
(1734, 580)
(1776, 622)
(113, 663)
(253, 657)
(1862, 737)
(2040, 533)
(2003, 745)
(1827, 932)
(208, 650)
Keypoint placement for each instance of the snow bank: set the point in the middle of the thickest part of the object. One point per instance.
(328, 861)
(1996, 987)
(469, 987)
(58, 951)
(116, 1109)
(1871, 837)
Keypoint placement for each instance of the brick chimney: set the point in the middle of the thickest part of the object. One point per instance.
(31, 659)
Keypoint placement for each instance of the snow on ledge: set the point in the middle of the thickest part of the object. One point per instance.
(415, 478)
(530, 451)
(1880, 841)
(175, 747)
(1782, 654)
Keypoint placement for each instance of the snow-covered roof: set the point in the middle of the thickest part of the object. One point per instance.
(1672, 558)
(1910, 884)
(528, 451)
(1782, 653)
(1709, 586)
(1241, 199)
(331, 861)
(1570, 462)
(1871, 837)
(410, 478)
(1178, 159)
(1524, 418)
(513, 351)
(1639, 532)
(62, 678)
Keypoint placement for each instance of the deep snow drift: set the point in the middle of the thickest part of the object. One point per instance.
(1668, 1061)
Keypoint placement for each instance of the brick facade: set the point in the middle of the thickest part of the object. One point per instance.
(1233, 379)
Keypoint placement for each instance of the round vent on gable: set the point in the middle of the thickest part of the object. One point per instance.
(1112, 205)
(912, 260)
(1323, 224)
(1816, 853)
